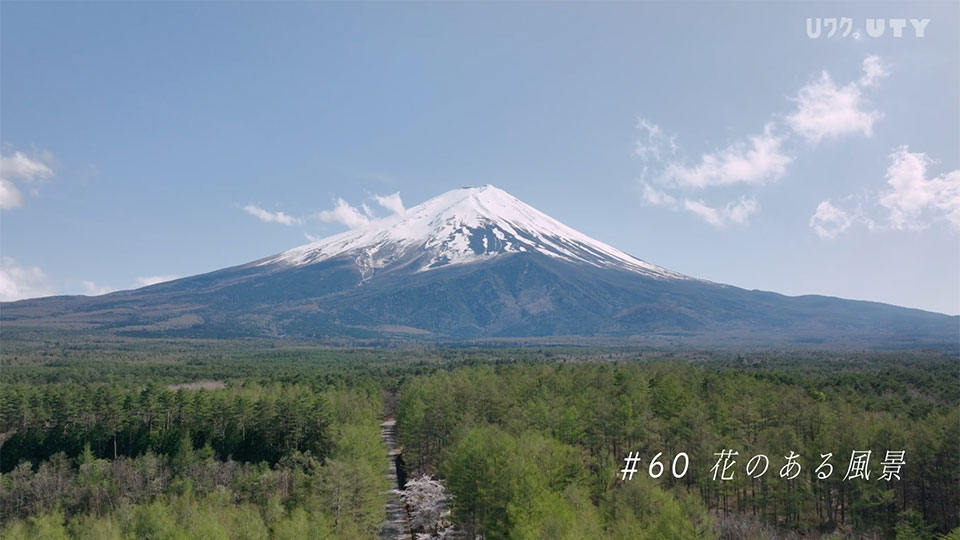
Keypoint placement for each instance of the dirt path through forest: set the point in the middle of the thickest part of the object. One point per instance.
(395, 527)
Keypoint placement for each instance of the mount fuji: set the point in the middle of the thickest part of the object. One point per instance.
(464, 226)
(471, 264)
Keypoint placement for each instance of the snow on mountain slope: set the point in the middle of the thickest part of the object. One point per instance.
(463, 226)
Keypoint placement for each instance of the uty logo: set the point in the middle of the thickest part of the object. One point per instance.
(843, 27)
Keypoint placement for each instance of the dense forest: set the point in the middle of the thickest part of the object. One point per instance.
(133, 439)
(525, 449)
(278, 461)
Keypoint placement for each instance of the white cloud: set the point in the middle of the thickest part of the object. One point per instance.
(345, 214)
(18, 282)
(828, 221)
(20, 167)
(739, 212)
(708, 213)
(756, 161)
(655, 197)
(367, 211)
(270, 217)
(10, 196)
(391, 202)
(912, 201)
(826, 111)
(153, 280)
(912, 196)
(823, 110)
(91, 288)
(736, 212)
(873, 70)
(653, 143)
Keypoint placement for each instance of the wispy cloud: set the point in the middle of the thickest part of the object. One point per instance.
(823, 110)
(391, 202)
(367, 211)
(912, 199)
(91, 288)
(153, 280)
(270, 217)
(655, 197)
(874, 70)
(756, 160)
(362, 215)
(10, 196)
(345, 214)
(827, 111)
(652, 142)
(735, 212)
(20, 167)
(18, 282)
(828, 221)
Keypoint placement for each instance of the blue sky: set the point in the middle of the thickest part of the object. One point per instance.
(142, 141)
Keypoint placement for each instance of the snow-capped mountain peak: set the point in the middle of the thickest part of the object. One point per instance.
(462, 226)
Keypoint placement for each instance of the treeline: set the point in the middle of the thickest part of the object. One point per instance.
(247, 423)
(133, 362)
(526, 485)
(191, 491)
(101, 440)
(571, 426)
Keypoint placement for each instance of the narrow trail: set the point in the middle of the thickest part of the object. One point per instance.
(395, 527)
